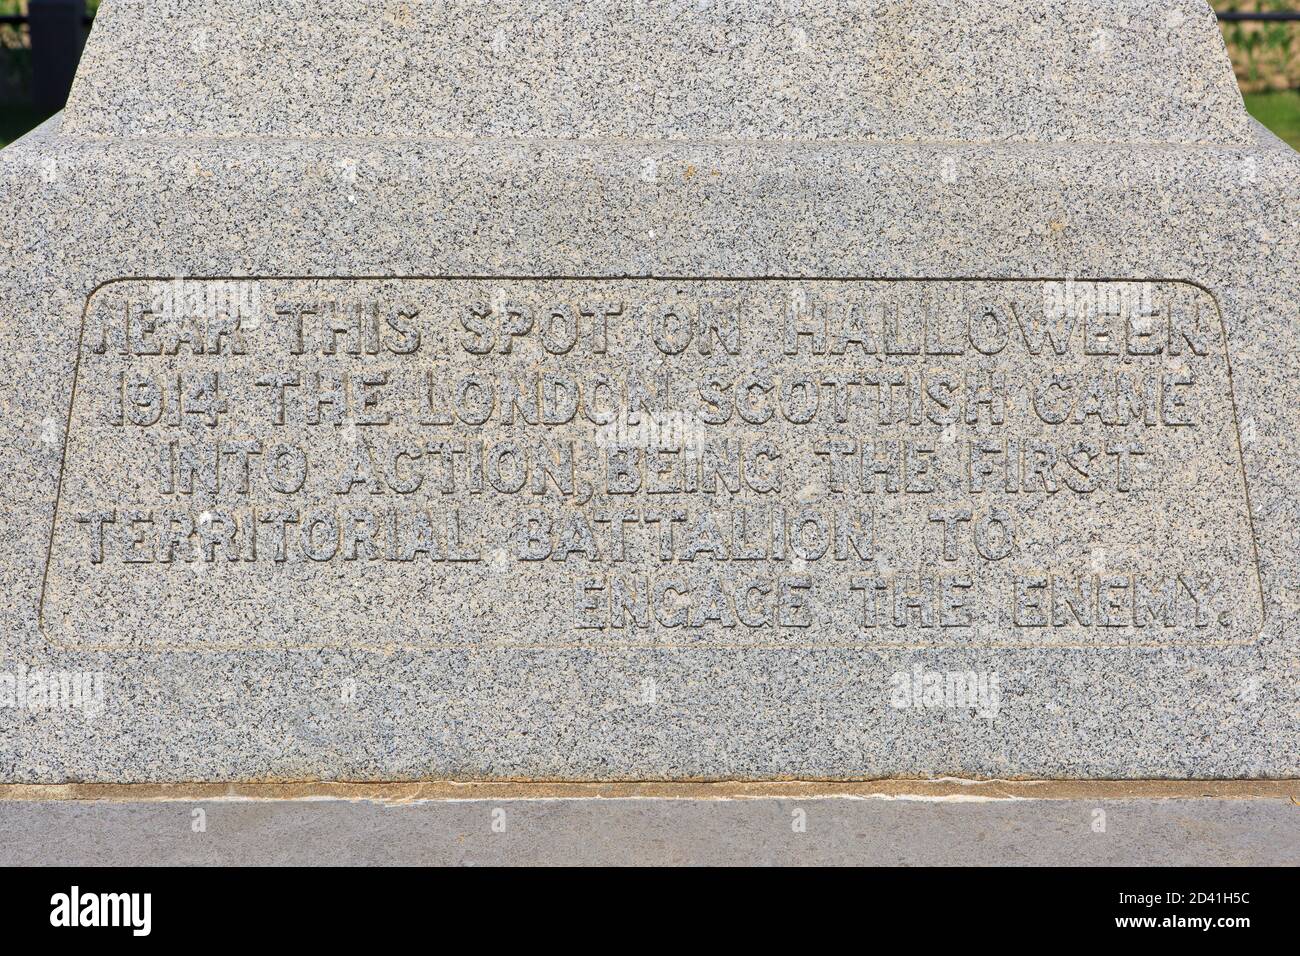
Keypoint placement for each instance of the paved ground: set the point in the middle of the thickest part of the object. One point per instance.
(650, 831)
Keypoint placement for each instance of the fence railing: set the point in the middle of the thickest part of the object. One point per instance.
(1232, 16)
(57, 33)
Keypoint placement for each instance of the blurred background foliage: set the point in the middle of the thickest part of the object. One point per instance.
(16, 115)
(1266, 57)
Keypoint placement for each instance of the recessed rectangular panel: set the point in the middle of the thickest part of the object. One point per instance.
(545, 463)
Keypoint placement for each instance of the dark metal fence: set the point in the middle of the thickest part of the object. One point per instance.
(1232, 16)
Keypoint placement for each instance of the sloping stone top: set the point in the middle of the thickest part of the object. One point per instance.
(804, 70)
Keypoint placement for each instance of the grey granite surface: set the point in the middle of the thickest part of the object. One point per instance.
(1035, 70)
(586, 832)
(599, 353)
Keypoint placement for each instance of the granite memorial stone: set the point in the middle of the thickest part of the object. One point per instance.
(609, 390)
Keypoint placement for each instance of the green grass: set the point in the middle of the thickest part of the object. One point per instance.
(1280, 112)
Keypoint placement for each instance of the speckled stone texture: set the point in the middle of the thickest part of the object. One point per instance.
(601, 390)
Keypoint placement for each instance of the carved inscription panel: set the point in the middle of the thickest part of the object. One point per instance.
(598, 463)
